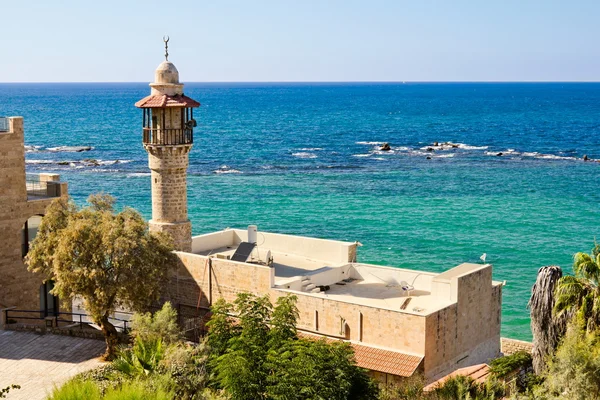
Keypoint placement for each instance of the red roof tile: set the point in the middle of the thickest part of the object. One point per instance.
(163, 100)
(380, 360)
(479, 373)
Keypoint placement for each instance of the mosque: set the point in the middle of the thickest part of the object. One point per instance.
(399, 321)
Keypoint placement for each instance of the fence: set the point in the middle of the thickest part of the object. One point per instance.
(12, 316)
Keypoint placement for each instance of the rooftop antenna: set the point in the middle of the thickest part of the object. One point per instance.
(166, 40)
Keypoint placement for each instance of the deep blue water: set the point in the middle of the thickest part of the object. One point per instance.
(304, 159)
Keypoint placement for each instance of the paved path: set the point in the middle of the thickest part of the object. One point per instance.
(38, 362)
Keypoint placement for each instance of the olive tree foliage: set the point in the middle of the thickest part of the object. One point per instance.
(107, 258)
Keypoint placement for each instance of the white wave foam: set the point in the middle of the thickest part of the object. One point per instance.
(444, 156)
(32, 149)
(304, 155)
(40, 161)
(469, 147)
(554, 157)
(136, 174)
(362, 155)
(224, 169)
(70, 148)
(79, 163)
(370, 143)
(311, 149)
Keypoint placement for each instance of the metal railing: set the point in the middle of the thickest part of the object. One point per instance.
(3, 124)
(39, 188)
(35, 187)
(169, 137)
(40, 315)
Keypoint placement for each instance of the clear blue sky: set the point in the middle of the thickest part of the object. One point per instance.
(301, 40)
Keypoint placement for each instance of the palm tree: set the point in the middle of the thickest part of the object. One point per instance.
(546, 327)
(579, 294)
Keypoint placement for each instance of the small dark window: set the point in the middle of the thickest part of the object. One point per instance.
(29, 232)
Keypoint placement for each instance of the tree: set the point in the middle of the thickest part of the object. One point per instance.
(580, 293)
(546, 327)
(108, 259)
(258, 355)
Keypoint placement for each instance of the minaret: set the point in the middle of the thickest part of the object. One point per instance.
(168, 135)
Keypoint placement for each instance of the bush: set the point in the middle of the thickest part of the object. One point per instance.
(137, 390)
(76, 389)
(504, 366)
(160, 326)
(572, 374)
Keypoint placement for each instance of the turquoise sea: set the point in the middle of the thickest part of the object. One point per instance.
(303, 159)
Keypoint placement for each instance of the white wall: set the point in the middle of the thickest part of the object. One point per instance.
(212, 241)
(332, 251)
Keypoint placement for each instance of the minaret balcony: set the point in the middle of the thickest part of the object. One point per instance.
(168, 137)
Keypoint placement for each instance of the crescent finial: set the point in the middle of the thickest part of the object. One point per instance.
(166, 40)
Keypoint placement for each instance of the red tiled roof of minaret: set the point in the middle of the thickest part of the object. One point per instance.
(177, 100)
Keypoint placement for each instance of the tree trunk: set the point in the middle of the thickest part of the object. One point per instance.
(111, 336)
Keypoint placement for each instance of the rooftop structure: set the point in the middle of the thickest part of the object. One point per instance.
(399, 320)
(23, 201)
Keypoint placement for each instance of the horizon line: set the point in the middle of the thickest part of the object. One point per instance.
(310, 82)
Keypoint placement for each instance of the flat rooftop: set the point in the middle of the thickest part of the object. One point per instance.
(324, 268)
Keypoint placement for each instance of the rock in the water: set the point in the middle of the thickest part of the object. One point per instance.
(385, 147)
(585, 157)
(430, 149)
(429, 158)
(499, 154)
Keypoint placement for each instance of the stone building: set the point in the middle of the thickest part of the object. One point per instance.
(23, 201)
(399, 321)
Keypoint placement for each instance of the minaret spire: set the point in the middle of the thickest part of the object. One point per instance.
(166, 40)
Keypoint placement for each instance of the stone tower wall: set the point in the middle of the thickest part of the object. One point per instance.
(169, 193)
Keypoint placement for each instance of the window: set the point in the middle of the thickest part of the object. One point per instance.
(29, 232)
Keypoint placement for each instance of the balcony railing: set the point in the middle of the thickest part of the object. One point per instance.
(3, 124)
(37, 188)
(169, 137)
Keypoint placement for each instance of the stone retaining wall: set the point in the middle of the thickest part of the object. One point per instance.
(511, 346)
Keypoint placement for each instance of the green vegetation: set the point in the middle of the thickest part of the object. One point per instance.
(503, 367)
(581, 293)
(253, 351)
(259, 356)
(108, 259)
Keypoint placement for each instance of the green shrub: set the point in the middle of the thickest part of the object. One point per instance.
(160, 326)
(76, 389)
(142, 358)
(138, 390)
(572, 374)
(504, 366)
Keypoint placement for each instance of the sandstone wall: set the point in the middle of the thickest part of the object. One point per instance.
(18, 287)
